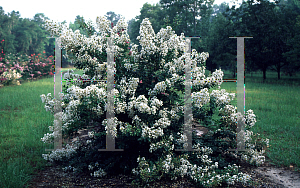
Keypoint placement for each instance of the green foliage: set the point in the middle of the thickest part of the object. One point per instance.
(22, 35)
(270, 25)
(113, 17)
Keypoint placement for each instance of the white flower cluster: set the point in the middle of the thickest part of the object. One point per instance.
(69, 168)
(71, 40)
(204, 174)
(156, 102)
(91, 134)
(162, 122)
(79, 93)
(146, 38)
(222, 97)
(199, 83)
(174, 112)
(127, 65)
(167, 39)
(182, 139)
(163, 113)
(58, 154)
(128, 86)
(176, 66)
(49, 103)
(198, 73)
(111, 125)
(11, 75)
(203, 152)
(183, 168)
(176, 78)
(241, 177)
(141, 104)
(198, 58)
(250, 118)
(162, 144)
(142, 164)
(200, 98)
(103, 25)
(232, 115)
(167, 164)
(69, 112)
(218, 74)
(91, 166)
(99, 173)
(252, 156)
(159, 87)
(48, 138)
(151, 132)
(54, 27)
(228, 109)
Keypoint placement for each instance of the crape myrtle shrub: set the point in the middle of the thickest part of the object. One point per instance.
(149, 112)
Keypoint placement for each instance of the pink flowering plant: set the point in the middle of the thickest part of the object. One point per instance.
(149, 110)
(38, 66)
(17, 66)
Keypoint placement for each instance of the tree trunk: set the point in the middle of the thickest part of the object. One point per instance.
(264, 74)
(234, 73)
(278, 73)
(234, 69)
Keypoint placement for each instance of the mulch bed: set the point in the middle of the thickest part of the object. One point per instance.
(53, 176)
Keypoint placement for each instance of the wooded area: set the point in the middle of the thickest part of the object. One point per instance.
(275, 28)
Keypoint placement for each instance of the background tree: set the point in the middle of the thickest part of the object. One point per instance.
(22, 35)
(292, 10)
(7, 25)
(220, 47)
(113, 17)
(269, 40)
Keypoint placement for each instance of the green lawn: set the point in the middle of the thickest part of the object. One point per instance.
(276, 106)
(24, 121)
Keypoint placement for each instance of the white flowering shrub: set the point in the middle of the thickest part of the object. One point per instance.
(10, 77)
(149, 110)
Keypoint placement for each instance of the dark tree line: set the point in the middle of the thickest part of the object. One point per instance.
(273, 26)
(22, 35)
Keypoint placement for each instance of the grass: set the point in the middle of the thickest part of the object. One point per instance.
(24, 122)
(276, 106)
